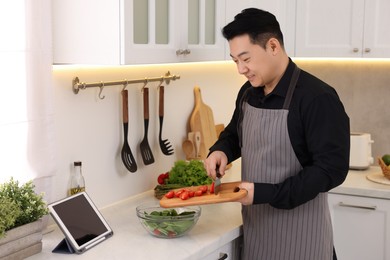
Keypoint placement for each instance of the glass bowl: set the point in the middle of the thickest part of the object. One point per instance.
(168, 222)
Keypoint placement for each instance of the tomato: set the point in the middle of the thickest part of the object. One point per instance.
(212, 187)
(179, 192)
(170, 194)
(157, 232)
(198, 193)
(171, 234)
(184, 195)
(191, 193)
(203, 188)
(160, 179)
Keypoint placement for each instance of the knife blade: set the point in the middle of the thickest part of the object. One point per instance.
(217, 182)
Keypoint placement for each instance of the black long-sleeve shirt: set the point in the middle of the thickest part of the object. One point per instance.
(319, 132)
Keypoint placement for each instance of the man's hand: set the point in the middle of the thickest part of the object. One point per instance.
(216, 159)
(248, 199)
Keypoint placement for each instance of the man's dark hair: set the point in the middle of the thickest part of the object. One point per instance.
(260, 25)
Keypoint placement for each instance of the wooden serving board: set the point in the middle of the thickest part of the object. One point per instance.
(202, 120)
(378, 177)
(226, 194)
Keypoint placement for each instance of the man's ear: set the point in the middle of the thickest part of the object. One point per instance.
(274, 45)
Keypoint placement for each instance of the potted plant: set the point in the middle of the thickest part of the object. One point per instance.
(21, 212)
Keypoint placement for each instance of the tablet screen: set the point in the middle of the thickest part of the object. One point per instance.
(80, 221)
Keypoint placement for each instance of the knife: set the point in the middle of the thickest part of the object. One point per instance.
(217, 181)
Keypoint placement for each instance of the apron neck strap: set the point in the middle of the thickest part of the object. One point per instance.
(291, 87)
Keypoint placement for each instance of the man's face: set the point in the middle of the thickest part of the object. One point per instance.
(254, 62)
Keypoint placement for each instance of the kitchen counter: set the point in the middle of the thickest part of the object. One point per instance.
(219, 224)
(357, 184)
(131, 241)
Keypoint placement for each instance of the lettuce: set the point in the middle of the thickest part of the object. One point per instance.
(188, 173)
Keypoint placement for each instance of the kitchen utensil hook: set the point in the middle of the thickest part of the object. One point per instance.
(101, 90)
(125, 84)
(146, 81)
(161, 82)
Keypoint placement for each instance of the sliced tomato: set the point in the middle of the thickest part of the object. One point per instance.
(185, 195)
(212, 187)
(203, 188)
(198, 193)
(170, 194)
(179, 192)
(157, 232)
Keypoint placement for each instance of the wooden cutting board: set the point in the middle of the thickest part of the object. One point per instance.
(202, 120)
(226, 194)
(378, 177)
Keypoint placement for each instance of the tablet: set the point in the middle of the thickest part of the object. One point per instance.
(80, 221)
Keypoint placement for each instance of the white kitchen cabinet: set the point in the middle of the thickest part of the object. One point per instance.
(361, 227)
(342, 28)
(230, 251)
(172, 31)
(284, 10)
(137, 31)
(86, 32)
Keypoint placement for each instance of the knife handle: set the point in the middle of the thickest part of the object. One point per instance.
(218, 174)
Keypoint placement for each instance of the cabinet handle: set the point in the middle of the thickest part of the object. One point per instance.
(367, 50)
(355, 49)
(183, 52)
(342, 204)
(222, 256)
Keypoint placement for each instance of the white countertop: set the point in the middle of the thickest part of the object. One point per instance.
(219, 224)
(131, 241)
(357, 184)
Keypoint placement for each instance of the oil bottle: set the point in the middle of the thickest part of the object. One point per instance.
(77, 182)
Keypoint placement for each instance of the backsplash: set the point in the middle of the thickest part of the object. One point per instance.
(364, 88)
(91, 130)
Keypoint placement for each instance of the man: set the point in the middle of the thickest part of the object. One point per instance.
(292, 134)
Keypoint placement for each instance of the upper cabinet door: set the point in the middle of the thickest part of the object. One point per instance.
(162, 31)
(284, 10)
(342, 28)
(86, 32)
(332, 28)
(376, 42)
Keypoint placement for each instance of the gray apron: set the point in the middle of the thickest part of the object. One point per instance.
(302, 233)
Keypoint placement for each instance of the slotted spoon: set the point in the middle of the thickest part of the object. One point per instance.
(165, 146)
(126, 154)
(146, 152)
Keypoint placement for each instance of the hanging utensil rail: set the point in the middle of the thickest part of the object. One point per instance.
(77, 85)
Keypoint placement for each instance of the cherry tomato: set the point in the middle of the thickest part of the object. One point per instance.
(198, 193)
(203, 188)
(170, 194)
(171, 234)
(157, 232)
(184, 195)
(191, 193)
(212, 187)
(178, 193)
(160, 179)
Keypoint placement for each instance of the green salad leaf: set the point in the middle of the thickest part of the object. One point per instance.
(188, 173)
(158, 222)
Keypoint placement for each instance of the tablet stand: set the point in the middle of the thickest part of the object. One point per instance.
(63, 247)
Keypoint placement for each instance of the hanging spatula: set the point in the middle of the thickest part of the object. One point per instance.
(165, 146)
(146, 152)
(126, 154)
